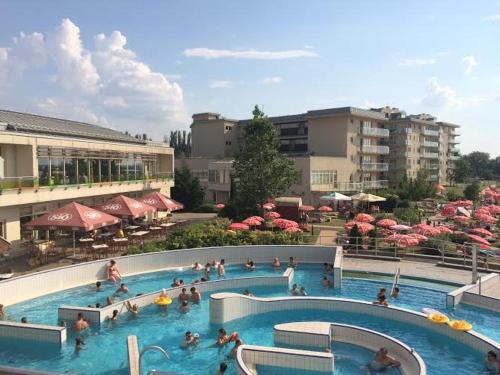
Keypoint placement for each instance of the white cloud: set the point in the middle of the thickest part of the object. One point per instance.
(209, 53)
(439, 95)
(417, 62)
(220, 84)
(73, 62)
(271, 80)
(493, 17)
(470, 63)
(106, 84)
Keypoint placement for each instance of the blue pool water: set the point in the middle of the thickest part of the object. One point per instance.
(105, 351)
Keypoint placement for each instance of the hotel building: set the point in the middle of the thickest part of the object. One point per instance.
(344, 149)
(48, 162)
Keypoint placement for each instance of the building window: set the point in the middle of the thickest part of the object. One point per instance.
(228, 143)
(323, 177)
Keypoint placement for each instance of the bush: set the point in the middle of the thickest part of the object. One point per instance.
(205, 208)
(409, 215)
(471, 191)
(453, 194)
(214, 233)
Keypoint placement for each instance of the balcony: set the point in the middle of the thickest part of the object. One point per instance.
(434, 177)
(375, 167)
(454, 157)
(431, 144)
(430, 155)
(351, 186)
(380, 150)
(432, 167)
(375, 132)
(431, 133)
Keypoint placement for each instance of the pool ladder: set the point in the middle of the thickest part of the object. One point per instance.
(148, 348)
(395, 281)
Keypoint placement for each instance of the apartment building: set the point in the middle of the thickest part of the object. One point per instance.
(47, 162)
(340, 149)
(419, 142)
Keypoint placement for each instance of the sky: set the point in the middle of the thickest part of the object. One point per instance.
(147, 66)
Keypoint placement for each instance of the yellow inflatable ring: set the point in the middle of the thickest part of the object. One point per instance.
(438, 318)
(460, 325)
(163, 301)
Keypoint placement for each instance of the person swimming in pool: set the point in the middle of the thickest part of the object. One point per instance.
(122, 289)
(191, 339)
(292, 263)
(196, 266)
(381, 301)
(208, 270)
(80, 323)
(183, 295)
(381, 292)
(250, 265)
(383, 361)
(248, 293)
(221, 271)
(184, 307)
(175, 282)
(113, 271)
(276, 262)
(395, 292)
(132, 309)
(303, 291)
(295, 290)
(492, 362)
(195, 295)
(98, 286)
(223, 338)
(234, 350)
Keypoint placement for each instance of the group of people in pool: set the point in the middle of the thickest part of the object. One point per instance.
(382, 299)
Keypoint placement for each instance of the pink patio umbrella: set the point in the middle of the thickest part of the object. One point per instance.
(306, 208)
(486, 219)
(325, 209)
(483, 211)
(426, 230)
(238, 226)
(461, 219)
(399, 227)
(219, 206)
(252, 221)
(478, 239)
(402, 240)
(272, 215)
(161, 202)
(284, 223)
(449, 210)
(444, 230)
(269, 206)
(463, 203)
(484, 247)
(364, 218)
(386, 223)
(481, 232)
(493, 209)
(419, 237)
(123, 206)
(292, 230)
(260, 218)
(363, 227)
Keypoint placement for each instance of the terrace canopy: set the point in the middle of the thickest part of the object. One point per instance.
(123, 206)
(363, 197)
(161, 202)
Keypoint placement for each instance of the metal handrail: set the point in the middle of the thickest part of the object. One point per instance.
(148, 348)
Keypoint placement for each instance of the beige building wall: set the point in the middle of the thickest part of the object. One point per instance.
(328, 136)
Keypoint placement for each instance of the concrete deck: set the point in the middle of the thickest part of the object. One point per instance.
(410, 268)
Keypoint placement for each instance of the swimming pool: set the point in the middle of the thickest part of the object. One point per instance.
(105, 351)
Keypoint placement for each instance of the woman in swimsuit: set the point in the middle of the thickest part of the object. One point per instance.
(113, 272)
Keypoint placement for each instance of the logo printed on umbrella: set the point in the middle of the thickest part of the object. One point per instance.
(113, 207)
(150, 201)
(137, 205)
(93, 215)
(60, 217)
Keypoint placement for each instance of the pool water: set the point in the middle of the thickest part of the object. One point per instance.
(105, 349)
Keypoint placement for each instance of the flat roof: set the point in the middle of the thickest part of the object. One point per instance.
(36, 124)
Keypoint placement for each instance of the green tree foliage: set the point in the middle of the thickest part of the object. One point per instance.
(260, 171)
(480, 166)
(180, 141)
(187, 189)
(408, 215)
(462, 170)
(453, 195)
(471, 191)
(418, 188)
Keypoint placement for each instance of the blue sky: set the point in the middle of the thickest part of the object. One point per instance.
(147, 66)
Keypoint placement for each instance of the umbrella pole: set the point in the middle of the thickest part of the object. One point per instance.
(74, 244)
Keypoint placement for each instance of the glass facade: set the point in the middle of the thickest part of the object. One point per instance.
(70, 167)
(323, 177)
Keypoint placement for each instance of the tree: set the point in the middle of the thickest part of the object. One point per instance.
(479, 164)
(471, 191)
(180, 141)
(418, 188)
(187, 189)
(462, 170)
(260, 171)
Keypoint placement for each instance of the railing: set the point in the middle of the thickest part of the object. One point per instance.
(34, 182)
(454, 157)
(376, 132)
(431, 144)
(351, 186)
(381, 167)
(431, 133)
(432, 167)
(430, 155)
(368, 149)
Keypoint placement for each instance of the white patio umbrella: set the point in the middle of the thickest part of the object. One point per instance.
(363, 197)
(335, 197)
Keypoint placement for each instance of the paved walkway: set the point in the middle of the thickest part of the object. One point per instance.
(326, 237)
(410, 268)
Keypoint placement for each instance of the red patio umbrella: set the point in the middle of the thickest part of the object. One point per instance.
(486, 218)
(463, 203)
(449, 210)
(239, 226)
(269, 206)
(481, 232)
(363, 227)
(461, 219)
(493, 209)
(284, 223)
(272, 215)
(73, 217)
(161, 202)
(386, 223)
(325, 209)
(419, 237)
(306, 208)
(364, 218)
(292, 230)
(426, 230)
(444, 230)
(478, 239)
(252, 221)
(400, 227)
(219, 206)
(123, 206)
